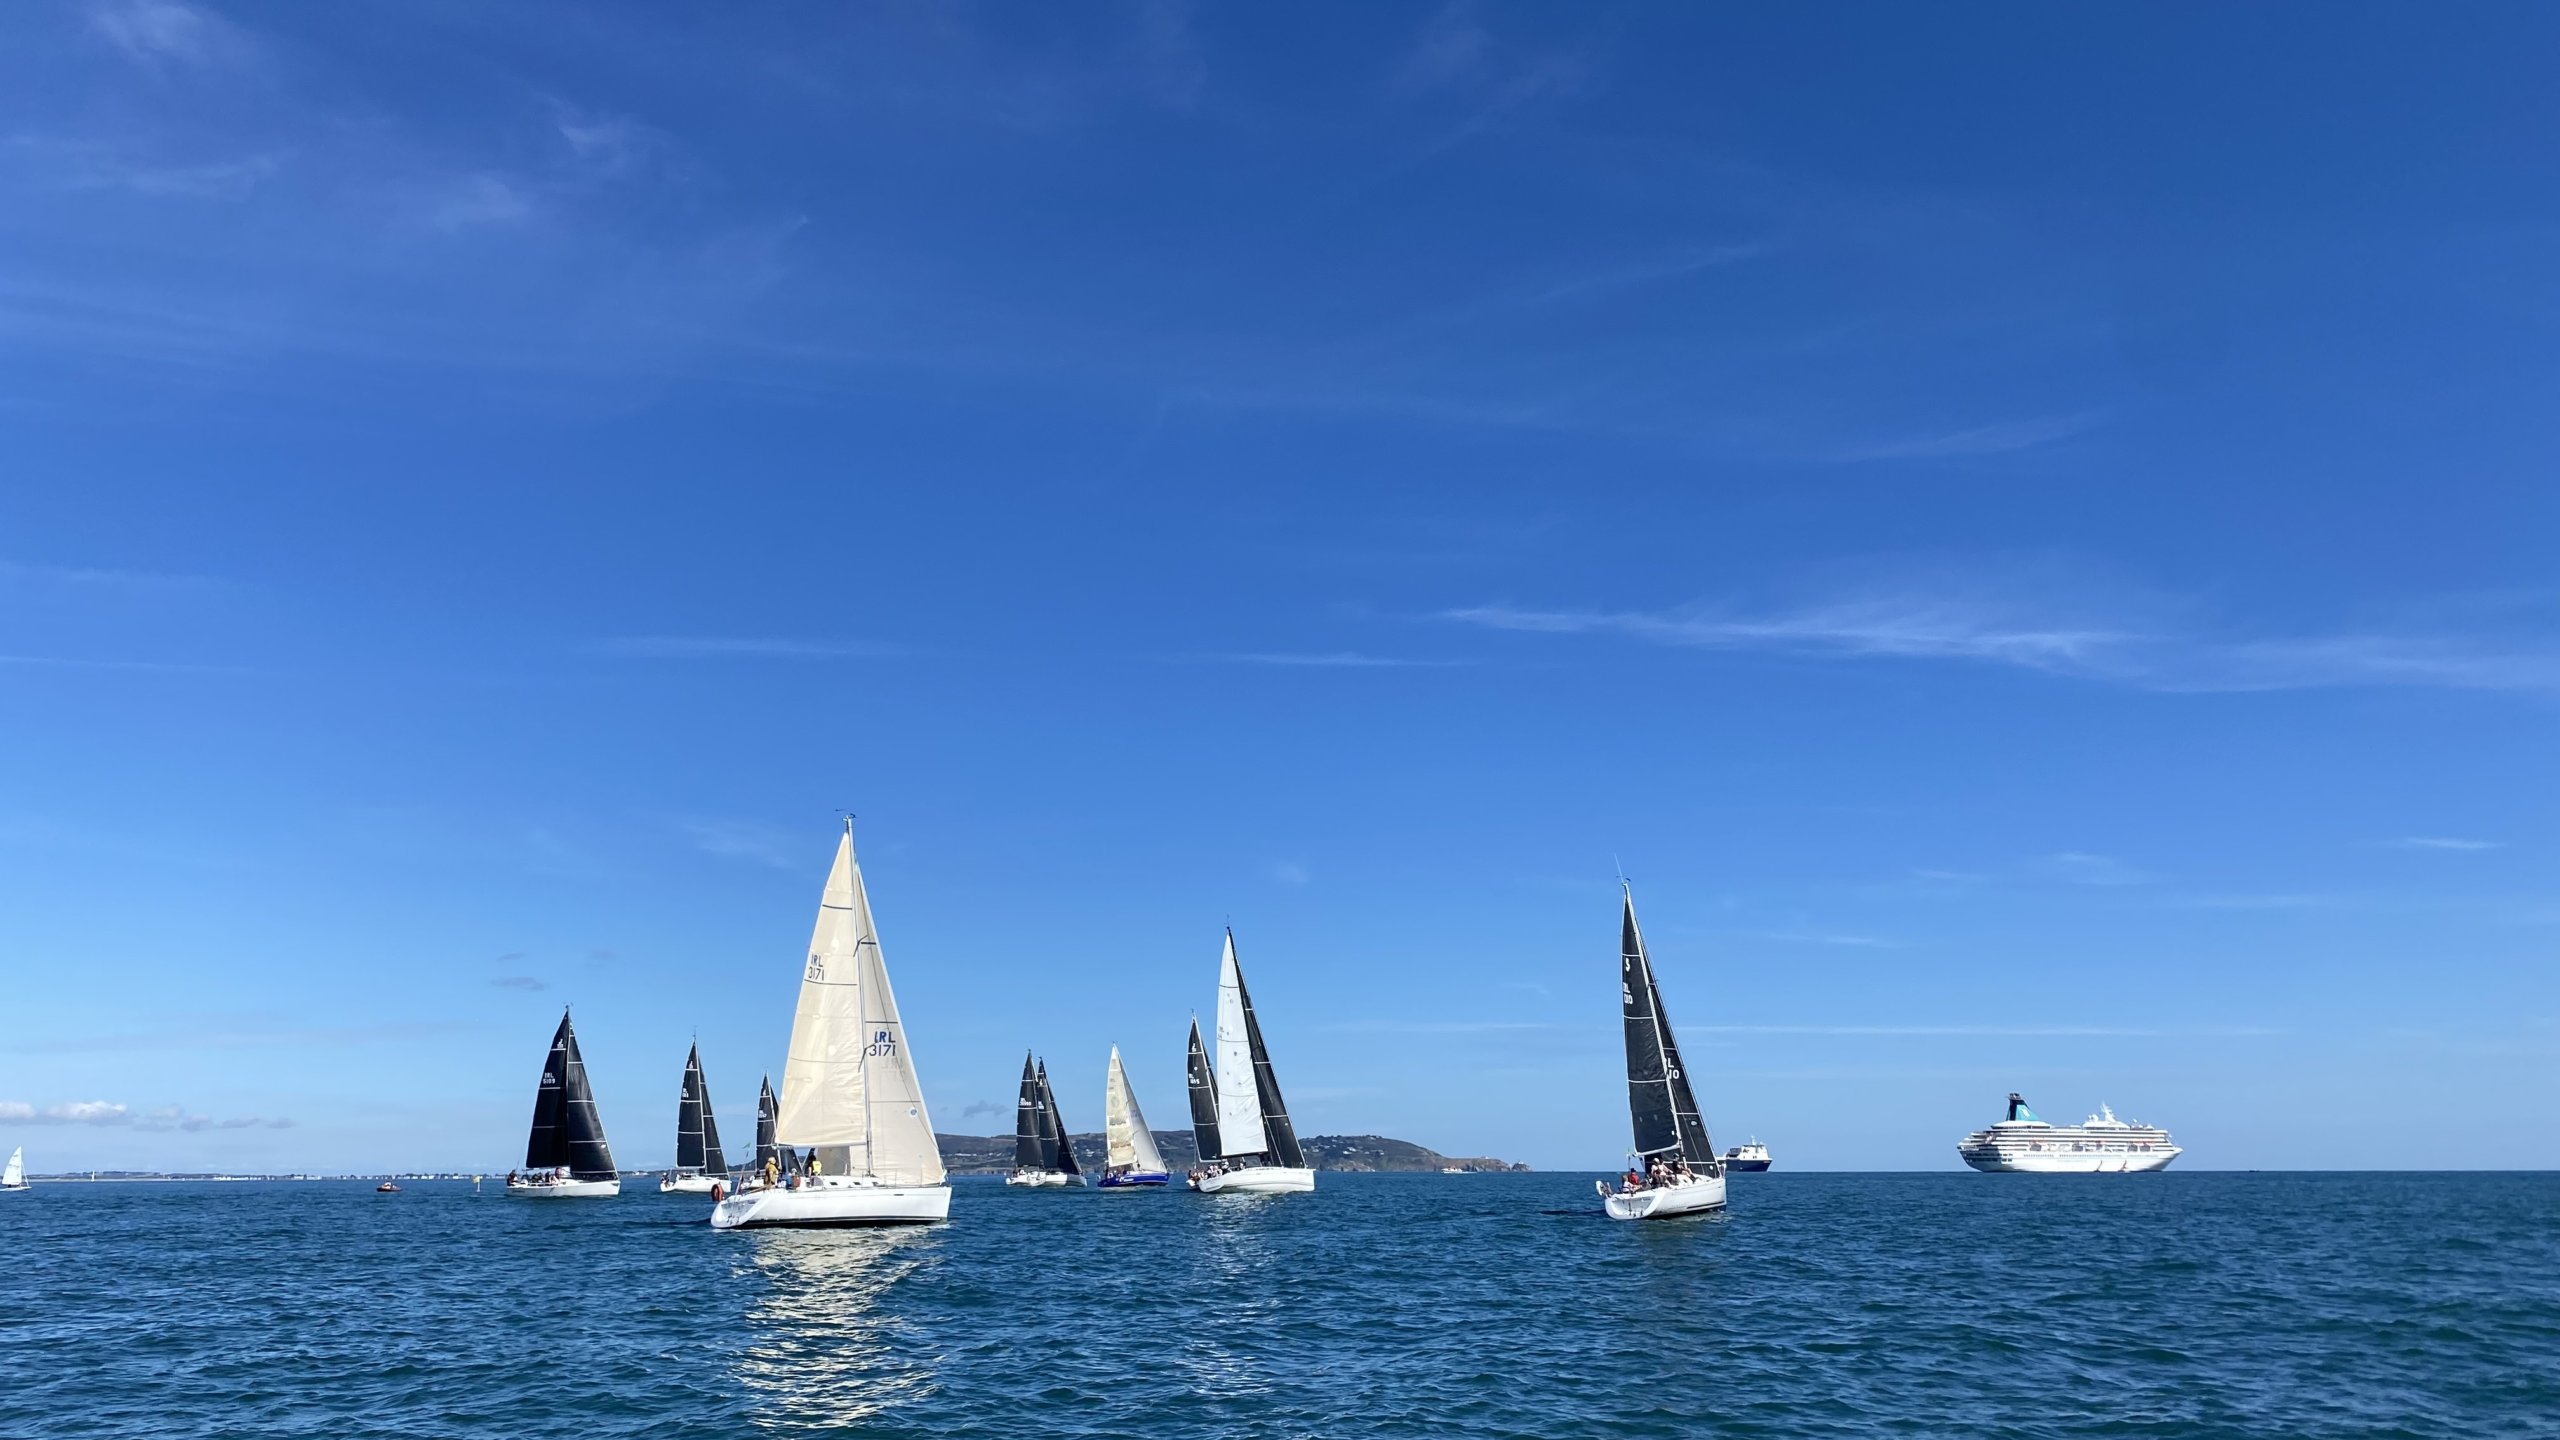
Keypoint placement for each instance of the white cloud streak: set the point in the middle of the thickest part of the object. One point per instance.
(109, 1113)
(737, 647)
(2443, 842)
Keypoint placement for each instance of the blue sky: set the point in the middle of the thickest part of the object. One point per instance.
(2028, 534)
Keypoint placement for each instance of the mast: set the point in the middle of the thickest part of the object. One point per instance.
(546, 1145)
(1204, 1098)
(1026, 1121)
(1275, 1111)
(689, 1112)
(1066, 1150)
(1239, 1100)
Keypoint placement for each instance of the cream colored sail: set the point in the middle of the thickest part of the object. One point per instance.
(1239, 1100)
(1127, 1142)
(16, 1174)
(849, 1082)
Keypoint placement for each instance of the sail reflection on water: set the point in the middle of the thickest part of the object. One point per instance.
(826, 1345)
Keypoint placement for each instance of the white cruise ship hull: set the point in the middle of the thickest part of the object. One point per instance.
(1258, 1180)
(1693, 1196)
(688, 1184)
(566, 1189)
(2067, 1162)
(829, 1201)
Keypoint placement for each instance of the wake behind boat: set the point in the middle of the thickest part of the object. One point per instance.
(1675, 1169)
(849, 1087)
(1130, 1159)
(1249, 1146)
(699, 1163)
(1042, 1158)
(565, 1155)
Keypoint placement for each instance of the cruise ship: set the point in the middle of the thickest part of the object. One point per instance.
(2101, 1145)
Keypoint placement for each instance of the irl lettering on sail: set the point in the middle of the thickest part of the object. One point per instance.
(883, 1044)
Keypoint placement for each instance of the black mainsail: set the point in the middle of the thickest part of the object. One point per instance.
(1054, 1142)
(1030, 1135)
(1659, 1100)
(1282, 1135)
(567, 1133)
(1204, 1098)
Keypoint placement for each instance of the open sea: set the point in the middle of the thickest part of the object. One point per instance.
(2191, 1304)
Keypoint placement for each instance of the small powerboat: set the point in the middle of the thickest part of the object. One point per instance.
(386, 1188)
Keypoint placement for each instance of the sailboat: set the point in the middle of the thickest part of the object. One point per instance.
(14, 1178)
(1675, 1170)
(699, 1164)
(565, 1156)
(1254, 1148)
(1130, 1159)
(849, 1087)
(1041, 1155)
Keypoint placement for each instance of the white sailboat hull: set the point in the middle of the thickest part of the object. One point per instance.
(1687, 1197)
(566, 1189)
(830, 1200)
(1258, 1180)
(1044, 1179)
(688, 1184)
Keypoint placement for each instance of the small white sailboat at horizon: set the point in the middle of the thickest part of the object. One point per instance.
(565, 1154)
(1247, 1144)
(1130, 1158)
(1042, 1156)
(1675, 1170)
(13, 1178)
(700, 1165)
(849, 1087)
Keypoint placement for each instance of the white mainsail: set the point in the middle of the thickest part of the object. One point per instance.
(16, 1174)
(1239, 1100)
(849, 1082)
(1127, 1142)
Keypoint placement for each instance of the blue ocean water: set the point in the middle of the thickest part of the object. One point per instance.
(1850, 1305)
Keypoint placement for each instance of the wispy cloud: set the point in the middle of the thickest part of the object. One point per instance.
(225, 1034)
(109, 1113)
(1325, 660)
(737, 647)
(2007, 437)
(738, 841)
(2252, 902)
(1983, 622)
(158, 667)
(475, 201)
(518, 982)
(165, 32)
(976, 1108)
(1291, 872)
(1804, 937)
(2079, 867)
(2442, 842)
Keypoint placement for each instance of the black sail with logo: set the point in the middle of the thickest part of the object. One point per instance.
(1659, 1100)
(1204, 1099)
(1276, 1129)
(1055, 1143)
(690, 1114)
(566, 1129)
(766, 1151)
(1027, 1130)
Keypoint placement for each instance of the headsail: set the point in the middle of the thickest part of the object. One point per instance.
(713, 1162)
(1275, 1111)
(1239, 1102)
(1204, 1098)
(849, 1083)
(581, 1128)
(689, 1112)
(767, 1152)
(1127, 1142)
(1062, 1152)
(1659, 1101)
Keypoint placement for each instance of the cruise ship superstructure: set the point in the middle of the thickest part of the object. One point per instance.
(2101, 1145)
